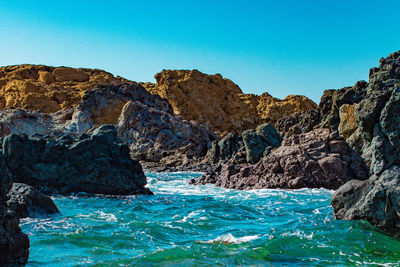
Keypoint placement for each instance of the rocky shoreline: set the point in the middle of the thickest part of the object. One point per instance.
(65, 130)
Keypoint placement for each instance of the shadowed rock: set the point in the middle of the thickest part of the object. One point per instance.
(95, 163)
(27, 201)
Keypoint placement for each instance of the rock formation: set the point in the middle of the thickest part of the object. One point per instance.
(145, 122)
(335, 111)
(249, 147)
(315, 159)
(378, 131)
(48, 89)
(95, 163)
(14, 244)
(219, 103)
(27, 201)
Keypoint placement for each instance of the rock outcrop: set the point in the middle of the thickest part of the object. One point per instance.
(219, 103)
(249, 147)
(378, 131)
(335, 111)
(48, 89)
(14, 244)
(145, 122)
(319, 158)
(95, 163)
(27, 201)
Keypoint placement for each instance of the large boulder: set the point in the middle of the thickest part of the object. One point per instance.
(319, 158)
(95, 163)
(219, 103)
(27, 201)
(14, 244)
(376, 200)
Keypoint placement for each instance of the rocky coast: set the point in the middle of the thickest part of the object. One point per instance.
(64, 131)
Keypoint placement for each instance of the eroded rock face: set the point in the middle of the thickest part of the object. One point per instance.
(298, 123)
(219, 103)
(145, 122)
(375, 200)
(14, 244)
(319, 158)
(27, 201)
(378, 121)
(95, 163)
(48, 89)
(249, 147)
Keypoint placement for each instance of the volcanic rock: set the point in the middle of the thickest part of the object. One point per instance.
(377, 117)
(319, 158)
(27, 201)
(250, 147)
(95, 163)
(14, 244)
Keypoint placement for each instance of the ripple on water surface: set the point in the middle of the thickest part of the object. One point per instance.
(186, 224)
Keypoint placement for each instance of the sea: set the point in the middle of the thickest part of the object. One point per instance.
(204, 225)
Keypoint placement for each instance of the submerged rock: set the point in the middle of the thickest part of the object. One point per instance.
(27, 201)
(14, 244)
(95, 163)
(315, 159)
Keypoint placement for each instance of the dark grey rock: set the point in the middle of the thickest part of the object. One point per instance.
(14, 244)
(94, 163)
(27, 201)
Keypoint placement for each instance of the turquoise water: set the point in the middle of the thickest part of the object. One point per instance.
(185, 225)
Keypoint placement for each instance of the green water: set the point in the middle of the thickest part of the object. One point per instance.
(186, 225)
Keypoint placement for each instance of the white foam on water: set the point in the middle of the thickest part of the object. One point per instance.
(230, 239)
(109, 217)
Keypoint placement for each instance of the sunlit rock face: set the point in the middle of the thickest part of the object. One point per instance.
(219, 103)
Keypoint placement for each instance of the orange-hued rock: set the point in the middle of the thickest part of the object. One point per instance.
(219, 103)
(348, 123)
(48, 89)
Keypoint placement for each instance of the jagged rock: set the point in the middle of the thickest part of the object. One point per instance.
(95, 163)
(219, 103)
(48, 89)
(375, 200)
(272, 109)
(27, 201)
(145, 122)
(315, 159)
(377, 117)
(14, 244)
(298, 123)
(332, 100)
(250, 147)
(335, 111)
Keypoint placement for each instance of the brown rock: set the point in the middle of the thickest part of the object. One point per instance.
(315, 159)
(347, 124)
(219, 103)
(48, 89)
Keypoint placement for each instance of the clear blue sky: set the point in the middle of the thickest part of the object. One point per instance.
(282, 47)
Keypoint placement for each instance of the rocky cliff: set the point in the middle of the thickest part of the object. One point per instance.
(48, 89)
(219, 103)
(378, 134)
